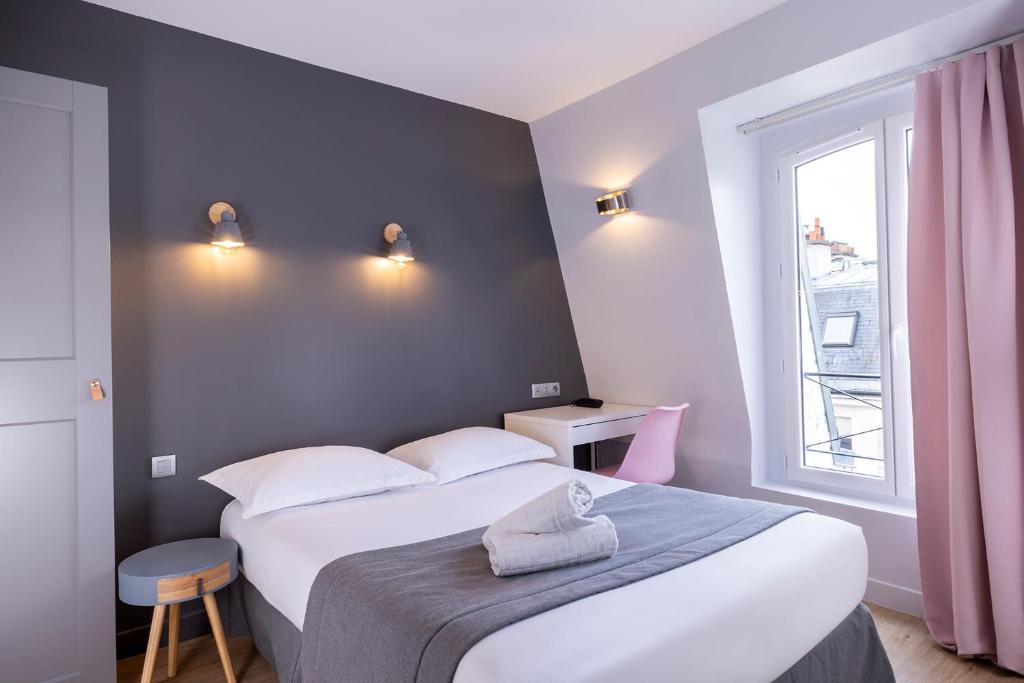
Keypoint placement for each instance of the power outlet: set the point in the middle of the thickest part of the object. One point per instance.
(546, 390)
(164, 466)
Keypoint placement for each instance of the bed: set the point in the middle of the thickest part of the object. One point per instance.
(747, 613)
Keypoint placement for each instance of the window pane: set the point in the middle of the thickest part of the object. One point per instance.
(840, 330)
(839, 321)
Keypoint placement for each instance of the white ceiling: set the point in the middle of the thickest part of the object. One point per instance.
(521, 59)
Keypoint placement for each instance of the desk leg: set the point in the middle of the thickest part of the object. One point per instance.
(593, 456)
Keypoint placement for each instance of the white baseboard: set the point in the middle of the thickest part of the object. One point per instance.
(895, 597)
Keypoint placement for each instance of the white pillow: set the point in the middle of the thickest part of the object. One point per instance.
(463, 452)
(311, 475)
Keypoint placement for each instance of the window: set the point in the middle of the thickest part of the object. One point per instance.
(840, 330)
(844, 424)
(842, 231)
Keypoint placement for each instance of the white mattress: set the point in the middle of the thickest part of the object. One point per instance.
(746, 614)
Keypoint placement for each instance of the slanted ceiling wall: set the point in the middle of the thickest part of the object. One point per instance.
(665, 306)
(305, 337)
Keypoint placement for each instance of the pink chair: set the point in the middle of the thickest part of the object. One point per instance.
(651, 457)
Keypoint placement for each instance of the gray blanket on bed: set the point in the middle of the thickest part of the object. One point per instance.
(409, 613)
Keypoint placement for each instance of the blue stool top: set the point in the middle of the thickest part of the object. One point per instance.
(176, 572)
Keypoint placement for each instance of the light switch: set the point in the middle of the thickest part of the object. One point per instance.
(163, 466)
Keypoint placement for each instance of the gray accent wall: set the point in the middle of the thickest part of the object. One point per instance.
(306, 336)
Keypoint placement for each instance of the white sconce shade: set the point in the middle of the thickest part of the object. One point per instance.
(401, 246)
(226, 233)
(401, 250)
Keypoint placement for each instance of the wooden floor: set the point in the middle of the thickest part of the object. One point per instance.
(915, 658)
(198, 663)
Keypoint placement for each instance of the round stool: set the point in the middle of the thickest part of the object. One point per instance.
(173, 573)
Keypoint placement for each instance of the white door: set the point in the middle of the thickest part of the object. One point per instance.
(56, 467)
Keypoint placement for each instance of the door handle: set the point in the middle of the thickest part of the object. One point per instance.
(96, 392)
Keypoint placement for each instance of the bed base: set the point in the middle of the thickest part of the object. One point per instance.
(852, 652)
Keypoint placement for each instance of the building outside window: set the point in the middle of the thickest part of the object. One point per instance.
(843, 295)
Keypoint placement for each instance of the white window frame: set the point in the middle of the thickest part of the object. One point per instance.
(897, 185)
(889, 134)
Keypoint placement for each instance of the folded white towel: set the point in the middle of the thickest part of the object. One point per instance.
(560, 509)
(550, 531)
(512, 554)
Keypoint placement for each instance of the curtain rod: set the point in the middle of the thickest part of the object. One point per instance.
(864, 89)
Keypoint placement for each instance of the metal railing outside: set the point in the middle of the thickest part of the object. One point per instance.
(844, 454)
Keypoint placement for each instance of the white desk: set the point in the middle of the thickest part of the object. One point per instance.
(563, 427)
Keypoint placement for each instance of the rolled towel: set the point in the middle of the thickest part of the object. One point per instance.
(512, 554)
(560, 509)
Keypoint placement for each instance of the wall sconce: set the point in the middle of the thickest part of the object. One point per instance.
(226, 234)
(613, 203)
(401, 247)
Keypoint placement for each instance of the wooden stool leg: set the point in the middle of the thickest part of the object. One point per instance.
(154, 643)
(172, 640)
(218, 636)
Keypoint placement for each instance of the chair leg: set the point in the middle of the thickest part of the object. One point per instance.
(218, 635)
(172, 640)
(154, 643)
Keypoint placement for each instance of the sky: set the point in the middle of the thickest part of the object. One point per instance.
(840, 189)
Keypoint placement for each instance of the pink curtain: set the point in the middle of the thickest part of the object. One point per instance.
(966, 292)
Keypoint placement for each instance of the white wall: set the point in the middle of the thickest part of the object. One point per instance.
(650, 291)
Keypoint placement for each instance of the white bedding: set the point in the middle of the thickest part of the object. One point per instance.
(746, 614)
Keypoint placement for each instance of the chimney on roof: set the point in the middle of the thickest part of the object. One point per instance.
(817, 234)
